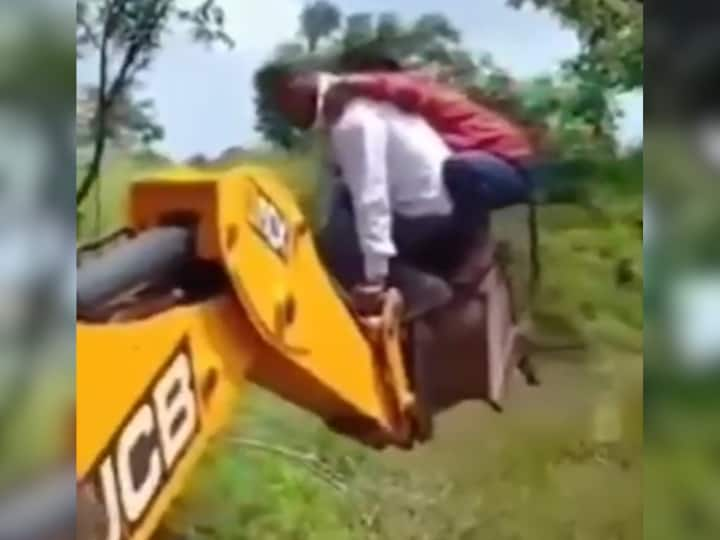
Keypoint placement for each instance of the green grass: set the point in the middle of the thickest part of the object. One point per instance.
(681, 466)
(584, 251)
(541, 478)
(104, 210)
(545, 470)
(37, 434)
(680, 457)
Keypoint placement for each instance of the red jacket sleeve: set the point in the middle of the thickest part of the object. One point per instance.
(463, 124)
(401, 90)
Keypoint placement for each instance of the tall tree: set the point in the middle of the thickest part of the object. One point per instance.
(130, 122)
(126, 36)
(571, 113)
(611, 36)
(358, 29)
(388, 26)
(317, 21)
(431, 41)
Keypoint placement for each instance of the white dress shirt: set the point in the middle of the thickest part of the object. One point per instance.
(391, 162)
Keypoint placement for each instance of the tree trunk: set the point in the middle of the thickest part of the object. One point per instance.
(93, 171)
(535, 268)
(108, 94)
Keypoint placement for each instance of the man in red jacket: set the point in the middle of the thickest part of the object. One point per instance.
(464, 125)
(421, 167)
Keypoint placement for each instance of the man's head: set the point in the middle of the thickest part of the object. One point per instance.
(296, 96)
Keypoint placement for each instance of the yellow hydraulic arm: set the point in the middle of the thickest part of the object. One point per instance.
(155, 383)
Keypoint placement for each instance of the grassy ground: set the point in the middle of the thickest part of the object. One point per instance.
(104, 209)
(681, 448)
(562, 462)
(36, 434)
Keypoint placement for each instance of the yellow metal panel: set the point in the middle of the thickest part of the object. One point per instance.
(119, 370)
(267, 250)
(248, 220)
(153, 198)
(151, 393)
(323, 338)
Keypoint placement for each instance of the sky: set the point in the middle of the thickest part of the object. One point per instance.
(204, 98)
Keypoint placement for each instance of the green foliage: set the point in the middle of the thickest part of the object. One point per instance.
(364, 40)
(140, 24)
(611, 36)
(429, 39)
(680, 452)
(591, 251)
(569, 116)
(535, 472)
(34, 437)
(571, 113)
(130, 121)
(130, 32)
(318, 20)
(105, 209)
(272, 496)
(532, 473)
(36, 59)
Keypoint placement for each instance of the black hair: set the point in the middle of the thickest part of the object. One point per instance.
(271, 77)
(368, 59)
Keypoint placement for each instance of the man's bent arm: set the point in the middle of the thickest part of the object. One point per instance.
(360, 145)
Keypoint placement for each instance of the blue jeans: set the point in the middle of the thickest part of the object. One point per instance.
(477, 183)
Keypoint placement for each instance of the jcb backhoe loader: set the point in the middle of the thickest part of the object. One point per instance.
(218, 284)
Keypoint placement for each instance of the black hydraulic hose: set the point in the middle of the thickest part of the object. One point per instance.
(146, 258)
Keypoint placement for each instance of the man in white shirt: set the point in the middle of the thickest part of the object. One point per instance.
(394, 167)
(392, 164)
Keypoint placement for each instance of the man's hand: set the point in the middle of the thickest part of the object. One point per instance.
(368, 298)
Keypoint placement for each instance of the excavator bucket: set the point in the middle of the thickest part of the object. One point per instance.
(468, 348)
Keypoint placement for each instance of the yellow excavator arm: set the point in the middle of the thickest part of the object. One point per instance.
(166, 347)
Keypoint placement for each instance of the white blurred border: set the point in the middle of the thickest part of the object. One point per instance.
(695, 320)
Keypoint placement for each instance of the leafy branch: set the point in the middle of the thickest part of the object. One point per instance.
(130, 33)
